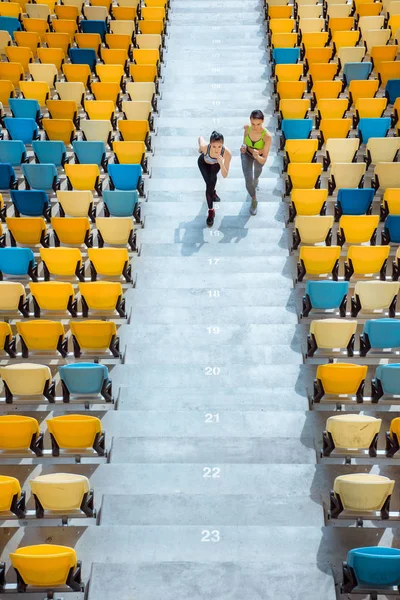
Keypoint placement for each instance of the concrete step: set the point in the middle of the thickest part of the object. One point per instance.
(244, 248)
(208, 280)
(196, 265)
(176, 142)
(272, 211)
(230, 221)
(184, 239)
(192, 180)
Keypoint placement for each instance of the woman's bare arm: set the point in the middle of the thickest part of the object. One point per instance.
(202, 144)
(224, 162)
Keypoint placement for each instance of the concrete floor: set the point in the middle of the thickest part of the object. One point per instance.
(212, 491)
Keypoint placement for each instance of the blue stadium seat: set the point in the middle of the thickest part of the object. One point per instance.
(373, 128)
(30, 203)
(325, 295)
(23, 108)
(386, 381)
(13, 152)
(285, 56)
(295, 129)
(380, 333)
(391, 231)
(17, 261)
(90, 153)
(392, 90)
(85, 378)
(353, 201)
(94, 26)
(126, 177)
(41, 177)
(356, 70)
(83, 56)
(25, 130)
(10, 24)
(371, 567)
(120, 204)
(8, 180)
(50, 151)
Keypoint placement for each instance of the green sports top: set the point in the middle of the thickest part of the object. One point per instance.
(259, 144)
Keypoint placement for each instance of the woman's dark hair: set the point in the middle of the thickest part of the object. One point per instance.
(257, 114)
(216, 137)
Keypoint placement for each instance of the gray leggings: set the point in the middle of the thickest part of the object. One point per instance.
(251, 171)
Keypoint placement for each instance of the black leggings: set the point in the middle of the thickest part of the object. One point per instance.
(209, 173)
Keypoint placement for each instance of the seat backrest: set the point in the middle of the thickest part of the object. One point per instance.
(342, 149)
(107, 261)
(44, 565)
(389, 377)
(376, 295)
(31, 203)
(326, 294)
(388, 175)
(296, 129)
(13, 152)
(83, 56)
(27, 379)
(375, 566)
(367, 259)
(83, 176)
(383, 149)
(341, 378)
(96, 130)
(89, 152)
(83, 378)
(17, 431)
(368, 128)
(333, 333)
(71, 231)
(353, 201)
(61, 261)
(16, 261)
(9, 487)
(40, 334)
(353, 431)
(120, 203)
(363, 491)
(74, 431)
(383, 333)
(40, 176)
(125, 177)
(50, 151)
(76, 203)
(93, 334)
(21, 129)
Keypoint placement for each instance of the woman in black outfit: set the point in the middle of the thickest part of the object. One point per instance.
(214, 157)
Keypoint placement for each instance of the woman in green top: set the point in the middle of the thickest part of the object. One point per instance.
(254, 154)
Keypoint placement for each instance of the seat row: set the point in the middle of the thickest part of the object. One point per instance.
(49, 338)
(78, 380)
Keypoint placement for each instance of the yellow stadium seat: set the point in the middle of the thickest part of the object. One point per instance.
(115, 231)
(276, 25)
(361, 492)
(294, 109)
(311, 25)
(94, 336)
(27, 231)
(71, 231)
(60, 129)
(142, 91)
(27, 380)
(100, 110)
(149, 41)
(46, 566)
(88, 40)
(392, 438)
(307, 202)
(386, 175)
(19, 433)
(370, 108)
(12, 297)
(376, 297)
(383, 53)
(96, 130)
(331, 108)
(42, 336)
(53, 56)
(114, 56)
(102, 296)
(106, 3)
(51, 4)
(13, 72)
(28, 39)
(74, 91)
(63, 109)
(77, 73)
(131, 152)
(289, 89)
(300, 151)
(358, 229)
(312, 230)
(78, 432)
(338, 11)
(110, 73)
(394, 23)
(62, 493)
(307, 11)
(7, 341)
(303, 176)
(318, 261)
(355, 432)
(76, 203)
(350, 54)
(115, 41)
(109, 262)
(390, 202)
(35, 90)
(157, 27)
(362, 89)
(67, 27)
(341, 24)
(314, 40)
(7, 91)
(334, 128)
(38, 11)
(60, 40)
(124, 13)
(143, 73)
(370, 22)
(317, 55)
(5, 40)
(329, 334)
(71, 13)
(83, 177)
(146, 56)
(369, 9)
(123, 28)
(19, 54)
(61, 262)
(388, 70)
(340, 150)
(288, 72)
(366, 260)
(278, 40)
(382, 150)
(39, 26)
(10, 9)
(344, 39)
(280, 12)
(346, 175)
(135, 131)
(340, 379)
(106, 91)
(158, 14)
(53, 296)
(11, 497)
(376, 37)
(325, 89)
